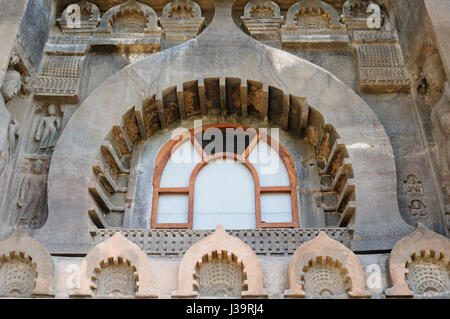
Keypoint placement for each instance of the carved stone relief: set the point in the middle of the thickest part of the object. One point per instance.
(17, 78)
(313, 25)
(115, 280)
(181, 20)
(419, 264)
(323, 267)
(25, 266)
(219, 278)
(262, 19)
(413, 186)
(17, 276)
(46, 129)
(429, 73)
(31, 210)
(418, 209)
(379, 58)
(440, 119)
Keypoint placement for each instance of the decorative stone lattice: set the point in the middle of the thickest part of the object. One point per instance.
(324, 279)
(181, 20)
(175, 242)
(219, 277)
(323, 266)
(262, 19)
(313, 25)
(380, 62)
(17, 275)
(428, 277)
(115, 279)
(60, 77)
(419, 264)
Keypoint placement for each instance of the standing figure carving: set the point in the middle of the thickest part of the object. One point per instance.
(440, 117)
(47, 130)
(32, 196)
(5, 119)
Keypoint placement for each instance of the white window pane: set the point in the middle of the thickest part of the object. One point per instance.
(268, 164)
(224, 195)
(276, 208)
(173, 208)
(180, 165)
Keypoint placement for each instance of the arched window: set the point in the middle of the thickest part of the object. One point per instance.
(225, 174)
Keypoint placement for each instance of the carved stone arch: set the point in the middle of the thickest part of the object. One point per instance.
(226, 246)
(20, 245)
(130, 5)
(87, 24)
(324, 250)
(116, 250)
(348, 5)
(263, 3)
(377, 225)
(305, 4)
(423, 244)
(109, 186)
(189, 3)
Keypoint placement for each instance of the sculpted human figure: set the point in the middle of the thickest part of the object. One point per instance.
(5, 119)
(13, 134)
(47, 129)
(440, 117)
(31, 196)
(12, 85)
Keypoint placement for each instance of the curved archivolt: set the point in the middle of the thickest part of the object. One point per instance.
(217, 250)
(116, 267)
(419, 264)
(25, 266)
(220, 96)
(322, 267)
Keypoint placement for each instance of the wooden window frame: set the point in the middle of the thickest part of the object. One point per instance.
(167, 150)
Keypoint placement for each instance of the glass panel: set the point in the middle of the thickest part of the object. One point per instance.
(180, 165)
(230, 140)
(276, 208)
(268, 164)
(224, 195)
(173, 208)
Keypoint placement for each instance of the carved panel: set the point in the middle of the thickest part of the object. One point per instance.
(115, 280)
(262, 19)
(45, 130)
(322, 267)
(31, 205)
(181, 20)
(17, 276)
(324, 278)
(80, 17)
(427, 277)
(419, 264)
(413, 186)
(313, 25)
(219, 278)
(175, 242)
(418, 209)
(60, 77)
(381, 67)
